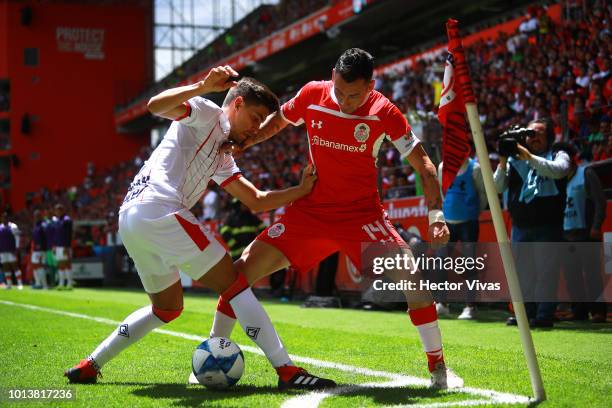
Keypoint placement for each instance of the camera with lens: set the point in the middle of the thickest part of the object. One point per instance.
(509, 140)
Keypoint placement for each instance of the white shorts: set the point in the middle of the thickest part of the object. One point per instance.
(163, 240)
(38, 257)
(6, 257)
(61, 254)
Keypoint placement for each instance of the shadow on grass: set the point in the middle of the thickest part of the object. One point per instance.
(194, 395)
(390, 396)
(603, 328)
(500, 316)
(191, 396)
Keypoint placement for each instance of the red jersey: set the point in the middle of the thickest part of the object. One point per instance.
(344, 148)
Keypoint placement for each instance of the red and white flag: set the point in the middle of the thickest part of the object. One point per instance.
(456, 92)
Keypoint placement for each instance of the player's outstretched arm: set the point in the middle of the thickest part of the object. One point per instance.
(420, 161)
(258, 200)
(169, 103)
(273, 124)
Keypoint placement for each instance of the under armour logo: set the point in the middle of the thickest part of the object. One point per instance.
(252, 332)
(123, 330)
(317, 125)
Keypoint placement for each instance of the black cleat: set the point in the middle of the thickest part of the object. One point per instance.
(300, 379)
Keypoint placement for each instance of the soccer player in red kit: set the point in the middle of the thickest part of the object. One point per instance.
(346, 121)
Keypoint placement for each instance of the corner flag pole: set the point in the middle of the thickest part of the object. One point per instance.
(465, 84)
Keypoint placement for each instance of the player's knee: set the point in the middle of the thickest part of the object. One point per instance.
(240, 267)
(167, 316)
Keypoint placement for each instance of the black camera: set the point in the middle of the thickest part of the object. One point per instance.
(509, 140)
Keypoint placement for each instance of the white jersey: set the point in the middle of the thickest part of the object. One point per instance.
(188, 157)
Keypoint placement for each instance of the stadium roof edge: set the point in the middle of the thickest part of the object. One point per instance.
(312, 24)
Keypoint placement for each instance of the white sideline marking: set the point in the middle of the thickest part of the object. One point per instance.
(313, 399)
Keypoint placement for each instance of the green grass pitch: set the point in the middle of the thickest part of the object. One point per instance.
(36, 346)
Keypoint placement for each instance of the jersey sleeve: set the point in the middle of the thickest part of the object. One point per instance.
(227, 172)
(294, 110)
(399, 132)
(200, 112)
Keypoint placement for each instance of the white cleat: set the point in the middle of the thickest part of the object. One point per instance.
(467, 314)
(441, 309)
(20, 287)
(192, 379)
(444, 378)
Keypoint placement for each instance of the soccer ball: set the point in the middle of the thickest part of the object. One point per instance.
(217, 363)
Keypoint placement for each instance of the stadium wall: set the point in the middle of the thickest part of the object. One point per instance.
(91, 56)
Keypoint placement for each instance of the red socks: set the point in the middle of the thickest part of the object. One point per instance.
(426, 321)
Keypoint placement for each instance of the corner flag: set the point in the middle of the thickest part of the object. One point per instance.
(456, 136)
(451, 113)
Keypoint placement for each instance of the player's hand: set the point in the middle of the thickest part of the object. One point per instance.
(218, 79)
(309, 176)
(438, 234)
(523, 154)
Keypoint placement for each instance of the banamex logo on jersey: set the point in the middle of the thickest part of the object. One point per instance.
(318, 141)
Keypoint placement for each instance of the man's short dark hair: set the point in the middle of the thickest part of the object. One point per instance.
(550, 129)
(254, 93)
(355, 64)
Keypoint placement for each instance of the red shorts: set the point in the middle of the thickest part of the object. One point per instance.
(306, 240)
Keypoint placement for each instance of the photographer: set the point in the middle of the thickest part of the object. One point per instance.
(534, 173)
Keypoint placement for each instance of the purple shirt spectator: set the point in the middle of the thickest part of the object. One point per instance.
(49, 228)
(8, 243)
(39, 236)
(63, 232)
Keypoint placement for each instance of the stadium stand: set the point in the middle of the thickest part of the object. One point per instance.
(560, 71)
(257, 25)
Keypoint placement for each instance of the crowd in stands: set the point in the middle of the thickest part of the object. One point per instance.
(545, 69)
(561, 71)
(94, 203)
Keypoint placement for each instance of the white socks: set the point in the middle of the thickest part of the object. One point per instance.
(256, 324)
(8, 280)
(223, 325)
(68, 275)
(426, 322)
(132, 329)
(65, 277)
(41, 277)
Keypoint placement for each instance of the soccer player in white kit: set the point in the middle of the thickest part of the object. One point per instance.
(162, 236)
